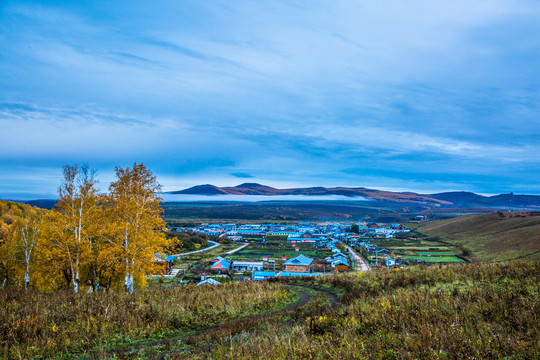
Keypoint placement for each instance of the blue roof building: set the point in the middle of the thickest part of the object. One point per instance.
(300, 263)
(298, 274)
(262, 275)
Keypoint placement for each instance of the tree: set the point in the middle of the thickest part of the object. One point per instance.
(136, 229)
(78, 202)
(25, 232)
(355, 228)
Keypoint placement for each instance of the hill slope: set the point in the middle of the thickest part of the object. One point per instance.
(492, 236)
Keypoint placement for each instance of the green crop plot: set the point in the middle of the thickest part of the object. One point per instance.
(435, 253)
(434, 259)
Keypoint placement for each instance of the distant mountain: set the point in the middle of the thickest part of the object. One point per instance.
(458, 199)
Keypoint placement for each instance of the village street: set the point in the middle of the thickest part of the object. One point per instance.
(237, 249)
(361, 263)
(214, 245)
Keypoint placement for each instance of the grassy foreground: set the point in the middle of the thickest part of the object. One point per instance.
(45, 325)
(473, 311)
(463, 311)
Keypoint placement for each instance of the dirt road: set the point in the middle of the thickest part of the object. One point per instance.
(362, 265)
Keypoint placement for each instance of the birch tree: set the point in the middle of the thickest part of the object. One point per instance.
(78, 202)
(136, 228)
(26, 232)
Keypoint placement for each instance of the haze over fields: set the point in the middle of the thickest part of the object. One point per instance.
(419, 95)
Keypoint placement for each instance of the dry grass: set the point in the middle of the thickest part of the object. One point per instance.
(491, 237)
(447, 312)
(44, 324)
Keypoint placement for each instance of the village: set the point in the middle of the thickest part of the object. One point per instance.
(253, 252)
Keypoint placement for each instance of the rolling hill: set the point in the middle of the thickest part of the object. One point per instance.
(455, 199)
(495, 236)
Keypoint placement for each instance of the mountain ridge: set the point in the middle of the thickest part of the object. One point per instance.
(443, 199)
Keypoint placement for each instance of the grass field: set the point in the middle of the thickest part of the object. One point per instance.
(458, 311)
(420, 249)
(435, 253)
(67, 325)
(491, 237)
(434, 259)
(472, 311)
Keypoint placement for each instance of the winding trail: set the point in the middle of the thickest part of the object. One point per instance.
(196, 340)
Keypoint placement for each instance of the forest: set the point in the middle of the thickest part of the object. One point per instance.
(90, 240)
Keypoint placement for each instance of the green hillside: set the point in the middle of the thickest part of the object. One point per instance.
(493, 236)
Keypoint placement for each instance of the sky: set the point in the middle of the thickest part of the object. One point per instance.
(418, 95)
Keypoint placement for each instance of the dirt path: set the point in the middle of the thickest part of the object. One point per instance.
(232, 327)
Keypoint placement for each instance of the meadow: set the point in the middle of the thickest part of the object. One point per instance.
(460, 311)
(471, 311)
(62, 324)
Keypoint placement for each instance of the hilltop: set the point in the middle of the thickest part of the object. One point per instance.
(492, 236)
(454, 199)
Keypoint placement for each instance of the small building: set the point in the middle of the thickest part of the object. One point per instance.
(247, 265)
(165, 262)
(208, 281)
(390, 262)
(307, 235)
(221, 267)
(263, 275)
(300, 263)
(340, 265)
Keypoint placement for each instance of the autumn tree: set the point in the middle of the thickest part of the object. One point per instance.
(136, 226)
(78, 202)
(10, 213)
(25, 234)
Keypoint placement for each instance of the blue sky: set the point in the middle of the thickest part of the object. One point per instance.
(418, 95)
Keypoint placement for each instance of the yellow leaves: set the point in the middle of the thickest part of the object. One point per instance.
(54, 328)
(385, 305)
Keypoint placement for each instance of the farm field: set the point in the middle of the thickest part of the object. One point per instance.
(419, 249)
(434, 259)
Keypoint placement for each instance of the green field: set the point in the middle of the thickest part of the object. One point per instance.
(434, 259)
(435, 253)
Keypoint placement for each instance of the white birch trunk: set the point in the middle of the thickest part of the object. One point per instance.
(128, 283)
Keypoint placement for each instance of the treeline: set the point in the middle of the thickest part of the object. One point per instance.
(90, 239)
(187, 241)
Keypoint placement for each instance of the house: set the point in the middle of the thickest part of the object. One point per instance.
(307, 235)
(221, 267)
(217, 259)
(208, 281)
(398, 227)
(339, 256)
(263, 275)
(300, 263)
(165, 261)
(247, 265)
(372, 225)
(340, 265)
